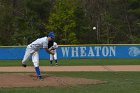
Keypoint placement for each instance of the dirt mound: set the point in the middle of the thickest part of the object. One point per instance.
(28, 80)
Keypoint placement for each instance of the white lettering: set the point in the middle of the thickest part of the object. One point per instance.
(97, 50)
(112, 51)
(74, 51)
(105, 51)
(91, 53)
(83, 51)
(65, 51)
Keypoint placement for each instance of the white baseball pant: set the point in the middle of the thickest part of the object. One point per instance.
(35, 56)
(53, 57)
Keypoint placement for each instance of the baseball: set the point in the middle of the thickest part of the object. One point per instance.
(94, 28)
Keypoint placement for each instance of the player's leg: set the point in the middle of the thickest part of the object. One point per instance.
(35, 59)
(55, 58)
(51, 59)
(26, 56)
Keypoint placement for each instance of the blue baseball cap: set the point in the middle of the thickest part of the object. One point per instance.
(51, 34)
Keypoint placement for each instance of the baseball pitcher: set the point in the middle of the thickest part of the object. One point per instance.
(33, 49)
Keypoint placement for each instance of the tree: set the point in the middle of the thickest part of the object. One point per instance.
(6, 22)
(64, 21)
(117, 21)
(31, 20)
(133, 11)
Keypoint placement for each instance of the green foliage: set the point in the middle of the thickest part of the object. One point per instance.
(117, 21)
(134, 16)
(31, 25)
(6, 23)
(23, 20)
(62, 20)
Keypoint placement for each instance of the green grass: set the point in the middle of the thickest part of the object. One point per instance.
(76, 62)
(118, 82)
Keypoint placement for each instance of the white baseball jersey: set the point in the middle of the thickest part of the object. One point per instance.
(39, 43)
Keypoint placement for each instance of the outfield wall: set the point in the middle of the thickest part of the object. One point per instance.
(77, 51)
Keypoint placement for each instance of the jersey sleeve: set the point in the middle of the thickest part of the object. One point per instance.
(55, 45)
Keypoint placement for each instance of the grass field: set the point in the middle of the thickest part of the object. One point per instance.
(77, 62)
(118, 82)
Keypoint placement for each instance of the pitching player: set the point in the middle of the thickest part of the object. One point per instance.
(53, 57)
(33, 49)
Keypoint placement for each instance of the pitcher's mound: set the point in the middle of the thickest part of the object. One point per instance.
(28, 80)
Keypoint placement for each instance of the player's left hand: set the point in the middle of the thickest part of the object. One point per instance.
(52, 52)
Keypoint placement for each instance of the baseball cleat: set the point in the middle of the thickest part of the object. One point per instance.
(40, 78)
(24, 65)
(56, 64)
